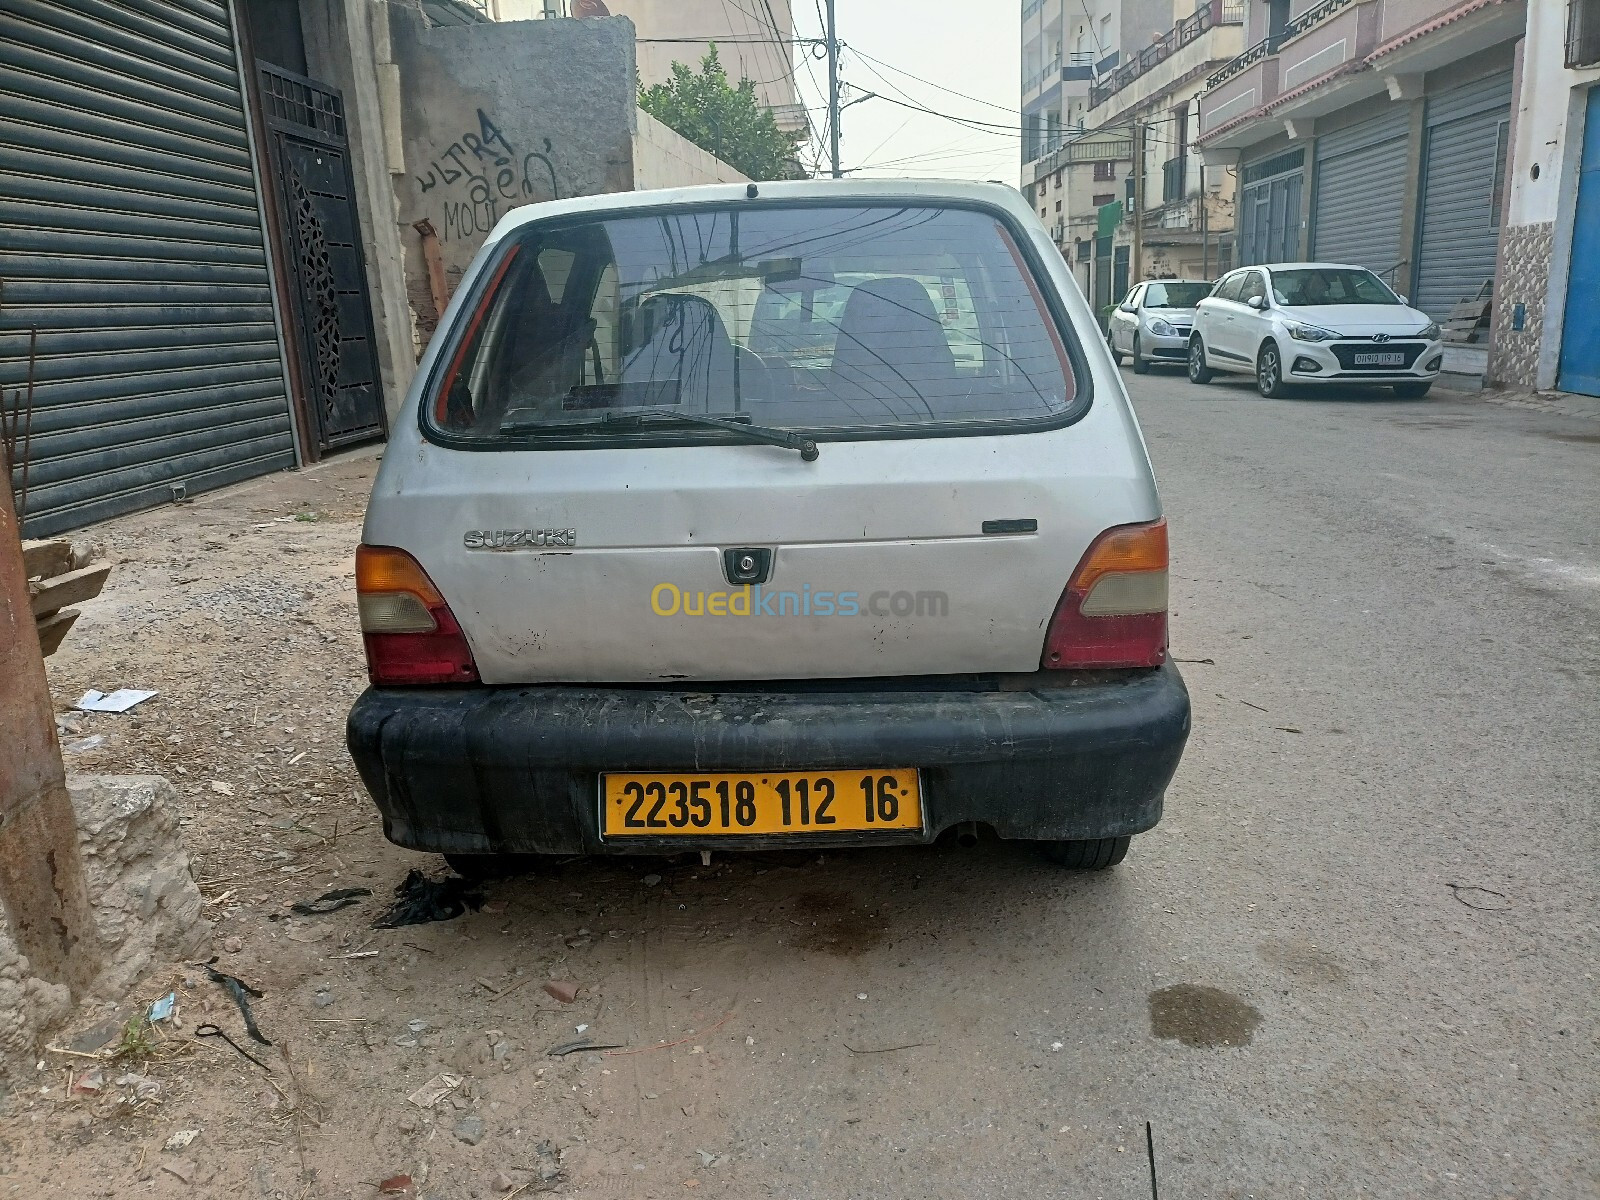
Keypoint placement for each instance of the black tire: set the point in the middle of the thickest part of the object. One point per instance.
(1096, 854)
(1111, 345)
(1412, 391)
(1198, 371)
(494, 866)
(1269, 372)
(1141, 364)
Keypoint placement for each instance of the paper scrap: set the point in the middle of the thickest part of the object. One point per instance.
(435, 1090)
(118, 701)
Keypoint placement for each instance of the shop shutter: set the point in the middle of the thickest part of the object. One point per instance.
(1460, 229)
(1358, 208)
(131, 240)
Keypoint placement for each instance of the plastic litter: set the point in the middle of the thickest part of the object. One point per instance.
(118, 701)
(420, 900)
(239, 990)
(329, 901)
(163, 1008)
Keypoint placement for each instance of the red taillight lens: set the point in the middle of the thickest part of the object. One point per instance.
(1114, 611)
(410, 633)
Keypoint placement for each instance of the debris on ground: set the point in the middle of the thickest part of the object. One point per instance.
(562, 1049)
(397, 1185)
(239, 990)
(329, 901)
(163, 1008)
(183, 1168)
(435, 1090)
(181, 1139)
(420, 900)
(564, 990)
(470, 1129)
(209, 1030)
(118, 701)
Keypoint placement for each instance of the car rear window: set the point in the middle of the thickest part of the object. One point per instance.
(1175, 295)
(831, 319)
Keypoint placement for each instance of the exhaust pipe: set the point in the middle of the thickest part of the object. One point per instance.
(967, 834)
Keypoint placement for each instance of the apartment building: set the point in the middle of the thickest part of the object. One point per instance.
(754, 40)
(1094, 73)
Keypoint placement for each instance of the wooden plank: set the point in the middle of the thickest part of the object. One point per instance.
(50, 556)
(72, 588)
(53, 628)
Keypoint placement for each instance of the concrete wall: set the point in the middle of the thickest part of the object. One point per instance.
(1536, 245)
(498, 115)
(769, 63)
(663, 158)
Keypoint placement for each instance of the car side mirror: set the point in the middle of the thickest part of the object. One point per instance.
(1127, 308)
(1403, 300)
(1257, 302)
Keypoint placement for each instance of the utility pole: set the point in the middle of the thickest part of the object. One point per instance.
(833, 91)
(1136, 266)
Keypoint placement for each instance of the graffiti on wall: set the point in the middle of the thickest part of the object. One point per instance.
(482, 176)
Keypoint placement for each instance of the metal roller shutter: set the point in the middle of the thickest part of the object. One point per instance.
(1359, 205)
(1460, 230)
(131, 240)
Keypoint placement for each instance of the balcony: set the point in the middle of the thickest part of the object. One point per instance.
(1313, 46)
(1210, 14)
(1029, 7)
(1583, 33)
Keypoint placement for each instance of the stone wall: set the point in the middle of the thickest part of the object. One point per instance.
(1524, 280)
(664, 158)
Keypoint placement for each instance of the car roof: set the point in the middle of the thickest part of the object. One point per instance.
(921, 190)
(1204, 281)
(1307, 266)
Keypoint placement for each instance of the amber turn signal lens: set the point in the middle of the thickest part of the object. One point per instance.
(1130, 549)
(381, 569)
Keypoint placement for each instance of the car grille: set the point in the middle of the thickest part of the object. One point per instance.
(1346, 353)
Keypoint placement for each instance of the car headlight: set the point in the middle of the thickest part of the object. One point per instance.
(1161, 329)
(1431, 333)
(1311, 333)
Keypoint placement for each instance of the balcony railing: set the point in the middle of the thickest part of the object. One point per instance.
(1210, 13)
(1174, 178)
(1272, 43)
(1029, 7)
(1049, 71)
(1583, 33)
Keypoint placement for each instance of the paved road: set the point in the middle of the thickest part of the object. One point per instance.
(1357, 958)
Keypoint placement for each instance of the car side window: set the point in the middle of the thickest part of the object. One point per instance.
(1255, 287)
(1228, 289)
(1132, 301)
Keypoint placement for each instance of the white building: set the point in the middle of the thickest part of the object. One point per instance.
(1546, 321)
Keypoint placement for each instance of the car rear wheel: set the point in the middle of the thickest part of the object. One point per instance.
(1412, 391)
(1141, 364)
(1095, 854)
(1198, 371)
(1269, 373)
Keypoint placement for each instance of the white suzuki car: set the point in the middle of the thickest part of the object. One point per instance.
(751, 516)
(1295, 324)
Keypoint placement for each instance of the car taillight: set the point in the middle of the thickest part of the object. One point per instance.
(410, 634)
(1114, 611)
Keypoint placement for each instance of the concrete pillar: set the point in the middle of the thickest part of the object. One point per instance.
(42, 892)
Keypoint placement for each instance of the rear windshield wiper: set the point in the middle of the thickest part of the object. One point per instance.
(738, 425)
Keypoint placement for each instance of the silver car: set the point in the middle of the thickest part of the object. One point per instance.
(1153, 323)
(741, 517)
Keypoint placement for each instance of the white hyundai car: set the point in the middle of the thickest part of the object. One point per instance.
(1296, 324)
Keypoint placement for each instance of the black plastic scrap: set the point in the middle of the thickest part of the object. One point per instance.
(329, 902)
(420, 900)
(239, 990)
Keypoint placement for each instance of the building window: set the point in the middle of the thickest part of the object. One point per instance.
(1104, 171)
(1058, 181)
(1058, 206)
(1497, 200)
(1104, 198)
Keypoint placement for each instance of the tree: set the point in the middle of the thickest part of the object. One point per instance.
(723, 120)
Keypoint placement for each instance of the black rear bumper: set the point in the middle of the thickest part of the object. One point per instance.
(516, 769)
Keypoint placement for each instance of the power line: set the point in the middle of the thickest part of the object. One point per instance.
(981, 126)
(902, 71)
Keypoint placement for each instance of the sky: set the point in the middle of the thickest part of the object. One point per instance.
(956, 46)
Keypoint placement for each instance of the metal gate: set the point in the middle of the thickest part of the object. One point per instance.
(1269, 209)
(327, 282)
(131, 241)
(1580, 330)
(1358, 202)
(1463, 174)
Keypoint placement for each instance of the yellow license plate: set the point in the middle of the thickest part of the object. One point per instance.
(657, 804)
